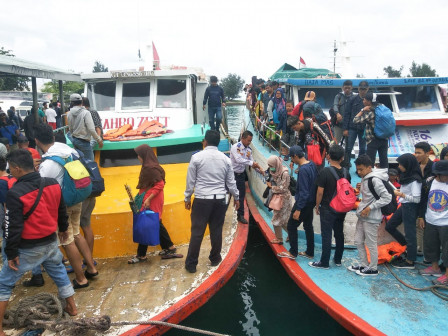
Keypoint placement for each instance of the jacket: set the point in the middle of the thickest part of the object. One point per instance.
(375, 216)
(306, 186)
(215, 96)
(352, 108)
(339, 105)
(40, 228)
(80, 124)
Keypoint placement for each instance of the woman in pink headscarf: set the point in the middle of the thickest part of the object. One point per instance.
(280, 185)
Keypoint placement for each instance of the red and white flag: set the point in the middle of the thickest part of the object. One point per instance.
(302, 61)
(155, 56)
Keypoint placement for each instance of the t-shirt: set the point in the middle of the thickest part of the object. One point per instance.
(34, 153)
(327, 181)
(437, 211)
(51, 115)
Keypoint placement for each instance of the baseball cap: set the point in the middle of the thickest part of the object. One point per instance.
(310, 95)
(363, 85)
(296, 150)
(75, 97)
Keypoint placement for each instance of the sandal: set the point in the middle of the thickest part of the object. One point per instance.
(172, 255)
(304, 254)
(136, 260)
(277, 241)
(76, 285)
(167, 251)
(286, 255)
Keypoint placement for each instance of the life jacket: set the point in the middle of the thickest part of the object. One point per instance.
(388, 252)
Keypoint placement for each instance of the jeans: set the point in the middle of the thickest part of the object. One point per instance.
(84, 146)
(410, 228)
(306, 216)
(331, 222)
(381, 146)
(240, 179)
(352, 135)
(212, 112)
(50, 257)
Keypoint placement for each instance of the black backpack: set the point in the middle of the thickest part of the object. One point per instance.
(392, 206)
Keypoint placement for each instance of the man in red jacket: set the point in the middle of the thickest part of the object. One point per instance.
(35, 210)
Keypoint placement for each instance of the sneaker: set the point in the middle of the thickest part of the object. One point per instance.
(337, 263)
(367, 271)
(35, 281)
(355, 268)
(317, 264)
(430, 271)
(443, 280)
(402, 263)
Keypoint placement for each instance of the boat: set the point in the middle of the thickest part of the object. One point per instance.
(159, 290)
(380, 305)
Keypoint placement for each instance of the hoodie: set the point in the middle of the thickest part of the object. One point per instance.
(50, 168)
(375, 216)
(80, 124)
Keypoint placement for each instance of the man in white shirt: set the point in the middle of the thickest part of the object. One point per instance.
(51, 116)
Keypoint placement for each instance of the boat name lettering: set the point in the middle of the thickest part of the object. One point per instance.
(121, 74)
(111, 123)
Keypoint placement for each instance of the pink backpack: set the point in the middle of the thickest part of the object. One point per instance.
(344, 198)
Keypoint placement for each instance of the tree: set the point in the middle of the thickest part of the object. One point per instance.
(99, 67)
(391, 72)
(423, 70)
(358, 75)
(232, 86)
(11, 82)
(67, 87)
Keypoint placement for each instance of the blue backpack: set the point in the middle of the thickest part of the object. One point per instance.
(384, 122)
(76, 185)
(95, 175)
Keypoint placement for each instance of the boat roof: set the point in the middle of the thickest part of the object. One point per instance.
(287, 71)
(134, 74)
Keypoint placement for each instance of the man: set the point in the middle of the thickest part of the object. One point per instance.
(351, 130)
(28, 127)
(9, 131)
(339, 104)
(58, 110)
(421, 152)
(23, 143)
(209, 173)
(82, 128)
(75, 241)
(51, 115)
(267, 96)
(302, 212)
(240, 157)
(14, 118)
(214, 94)
(30, 236)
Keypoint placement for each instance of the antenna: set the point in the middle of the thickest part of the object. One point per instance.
(335, 49)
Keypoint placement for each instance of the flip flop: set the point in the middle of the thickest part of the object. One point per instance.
(89, 275)
(167, 251)
(135, 260)
(276, 241)
(303, 254)
(286, 255)
(76, 285)
(172, 255)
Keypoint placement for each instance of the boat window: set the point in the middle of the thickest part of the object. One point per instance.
(386, 100)
(171, 93)
(135, 96)
(102, 95)
(324, 96)
(177, 153)
(417, 99)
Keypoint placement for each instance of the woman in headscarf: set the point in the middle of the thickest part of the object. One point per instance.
(444, 153)
(409, 197)
(150, 196)
(279, 185)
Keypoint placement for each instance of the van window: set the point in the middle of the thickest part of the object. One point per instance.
(417, 99)
(171, 93)
(102, 95)
(135, 96)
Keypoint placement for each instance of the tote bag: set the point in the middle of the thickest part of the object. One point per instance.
(276, 202)
(146, 228)
(314, 154)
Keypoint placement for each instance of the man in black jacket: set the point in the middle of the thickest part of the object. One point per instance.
(215, 96)
(30, 230)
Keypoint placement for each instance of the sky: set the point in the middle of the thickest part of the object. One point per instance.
(248, 38)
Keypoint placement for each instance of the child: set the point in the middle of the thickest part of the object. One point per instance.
(435, 211)
(410, 192)
(369, 215)
(393, 178)
(289, 108)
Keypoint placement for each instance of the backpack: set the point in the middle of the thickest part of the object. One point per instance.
(95, 175)
(384, 122)
(76, 185)
(9, 179)
(344, 198)
(292, 185)
(392, 206)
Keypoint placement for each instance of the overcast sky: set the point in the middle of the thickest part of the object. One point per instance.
(243, 37)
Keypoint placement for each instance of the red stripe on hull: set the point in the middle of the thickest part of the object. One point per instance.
(421, 122)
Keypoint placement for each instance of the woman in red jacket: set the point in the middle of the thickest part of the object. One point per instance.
(150, 196)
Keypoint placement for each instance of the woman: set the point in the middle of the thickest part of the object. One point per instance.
(409, 193)
(280, 185)
(150, 196)
(444, 153)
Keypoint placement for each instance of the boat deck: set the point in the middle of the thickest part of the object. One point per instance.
(141, 291)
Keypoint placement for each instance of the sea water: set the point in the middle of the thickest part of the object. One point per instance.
(260, 298)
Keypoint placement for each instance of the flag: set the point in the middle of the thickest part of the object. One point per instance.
(302, 61)
(155, 57)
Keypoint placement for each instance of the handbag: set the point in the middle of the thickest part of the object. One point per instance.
(276, 202)
(314, 153)
(146, 228)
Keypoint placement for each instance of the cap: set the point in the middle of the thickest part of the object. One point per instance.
(440, 167)
(310, 95)
(22, 138)
(3, 150)
(75, 97)
(370, 96)
(296, 150)
(393, 172)
(363, 85)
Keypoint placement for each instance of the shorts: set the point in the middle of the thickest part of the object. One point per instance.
(87, 208)
(74, 218)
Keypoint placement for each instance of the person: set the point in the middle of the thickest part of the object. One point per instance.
(96, 119)
(14, 118)
(422, 152)
(393, 177)
(214, 94)
(75, 242)
(28, 127)
(302, 211)
(434, 220)
(351, 130)
(82, 128)
(3, 150)
(267, 96)
(369, 215)
(23, 143)
(444, 153)
(6, 182)
(276, 109)
(57, 108)
(9, 131)
(209, 173)
(338, 111)
(31, 237)
(240, 157)
(279, 185)
(330, 221)
(409, 193)
(51, 115)
(367, 117)
(41, 112)
(313, 112)
(150, 196)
